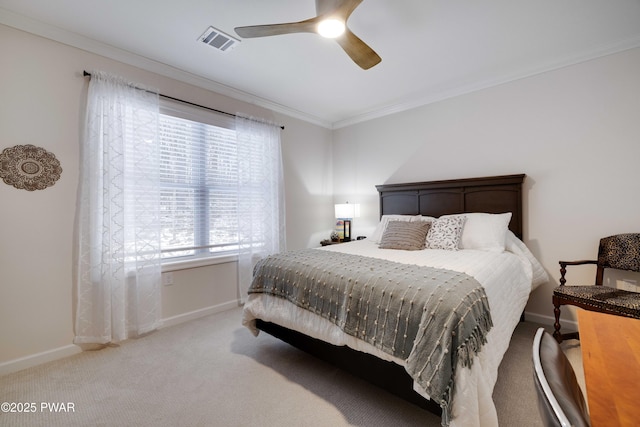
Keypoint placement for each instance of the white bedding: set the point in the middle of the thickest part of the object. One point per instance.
(507, 277)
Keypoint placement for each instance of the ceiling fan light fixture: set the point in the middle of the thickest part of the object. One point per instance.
(331, 28)
(330, 21)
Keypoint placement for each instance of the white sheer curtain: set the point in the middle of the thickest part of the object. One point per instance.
(261, 214)
(118, 260)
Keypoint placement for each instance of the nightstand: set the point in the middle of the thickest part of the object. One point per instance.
(329, 242)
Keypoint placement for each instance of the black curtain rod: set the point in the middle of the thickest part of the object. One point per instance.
(87, 74)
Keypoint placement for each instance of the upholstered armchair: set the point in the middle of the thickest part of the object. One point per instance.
(620, 252)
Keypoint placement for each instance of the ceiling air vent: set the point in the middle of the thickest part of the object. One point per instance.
(218, 39)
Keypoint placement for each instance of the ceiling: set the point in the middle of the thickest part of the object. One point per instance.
(430, 49)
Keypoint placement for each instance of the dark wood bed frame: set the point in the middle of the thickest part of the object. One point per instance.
(497, 194)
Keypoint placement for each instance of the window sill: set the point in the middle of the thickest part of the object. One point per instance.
(198, 262)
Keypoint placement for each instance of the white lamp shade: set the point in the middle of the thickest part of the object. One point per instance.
(347, 210)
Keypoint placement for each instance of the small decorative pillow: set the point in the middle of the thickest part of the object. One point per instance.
(382, 225)
(408, 236)
(445, 233)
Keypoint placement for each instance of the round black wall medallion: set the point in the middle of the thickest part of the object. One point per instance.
(28, 167)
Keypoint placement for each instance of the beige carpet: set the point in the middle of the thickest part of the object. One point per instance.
(213, 372)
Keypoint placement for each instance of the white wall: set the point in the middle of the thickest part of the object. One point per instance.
(575, 132)
(41, 103)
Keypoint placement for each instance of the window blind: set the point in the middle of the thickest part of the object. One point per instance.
(199, 182)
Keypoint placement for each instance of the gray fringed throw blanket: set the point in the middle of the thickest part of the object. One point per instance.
(431, 318)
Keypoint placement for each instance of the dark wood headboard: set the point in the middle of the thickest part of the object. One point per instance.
(494, 194)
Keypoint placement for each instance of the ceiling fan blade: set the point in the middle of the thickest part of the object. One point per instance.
(358, 50)
(347, 7)
(341, 8)
(306, 26)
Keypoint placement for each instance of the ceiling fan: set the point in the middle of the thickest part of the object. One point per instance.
(331, 22)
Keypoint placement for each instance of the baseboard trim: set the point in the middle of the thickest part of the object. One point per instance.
(549, 320)
(32, 360)
(196, 314)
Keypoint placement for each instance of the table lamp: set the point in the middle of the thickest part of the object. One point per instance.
(345, 213)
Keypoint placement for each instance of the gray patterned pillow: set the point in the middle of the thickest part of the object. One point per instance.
(445, 233)
(408, 236)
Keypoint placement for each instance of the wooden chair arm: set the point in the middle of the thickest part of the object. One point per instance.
(589, 261)
(564, 264)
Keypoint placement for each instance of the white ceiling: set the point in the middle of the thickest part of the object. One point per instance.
(430, 49)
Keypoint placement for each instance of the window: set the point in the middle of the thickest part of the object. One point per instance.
(199, 183)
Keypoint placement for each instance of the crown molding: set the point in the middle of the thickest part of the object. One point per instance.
(68, 38)
(140, 61)
(446, 93)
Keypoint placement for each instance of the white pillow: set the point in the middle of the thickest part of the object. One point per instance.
(484, 231)
(423, 218)
(382, 225)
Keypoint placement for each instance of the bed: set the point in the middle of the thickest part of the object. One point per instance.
(493, 272)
